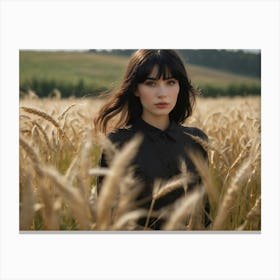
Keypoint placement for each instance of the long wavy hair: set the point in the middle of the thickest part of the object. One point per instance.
(128, 107)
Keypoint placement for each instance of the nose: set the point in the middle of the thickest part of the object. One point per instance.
(162, 91)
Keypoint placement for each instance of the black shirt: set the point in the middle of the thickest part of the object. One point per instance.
(159, 156)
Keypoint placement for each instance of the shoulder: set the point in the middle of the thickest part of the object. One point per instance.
(196, 139)
(194, 131)
(121, 135)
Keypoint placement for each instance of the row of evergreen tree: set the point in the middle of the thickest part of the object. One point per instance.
(46, 88)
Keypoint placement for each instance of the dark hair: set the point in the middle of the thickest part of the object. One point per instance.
(124, 102)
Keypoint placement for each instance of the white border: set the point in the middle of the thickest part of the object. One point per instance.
(147, 24)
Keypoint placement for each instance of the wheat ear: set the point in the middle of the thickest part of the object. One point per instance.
(44, 116)
(32, 154)
(169, 187)
(49, 119)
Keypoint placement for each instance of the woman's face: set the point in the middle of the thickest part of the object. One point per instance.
(157, 96)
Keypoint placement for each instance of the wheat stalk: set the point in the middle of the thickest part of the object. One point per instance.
(65, 111)
(185, 208)
(51, 219)
(72, 197)
(43, 133)
(27, 210)
(204, 171)
(109, 149)
(44, 116)
(207, 146)
(234, 137)
(230, 195)
(128, 219)
(49, 119)
(111, 183)
(170, 186)
(129, 190)
(32, 154)
(237, 160)
(255, 212)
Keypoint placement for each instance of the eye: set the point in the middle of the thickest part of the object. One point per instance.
(171, 82)
(150, 83)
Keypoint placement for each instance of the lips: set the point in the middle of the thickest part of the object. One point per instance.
(161, 105)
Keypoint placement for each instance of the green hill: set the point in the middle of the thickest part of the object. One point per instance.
(87, 73)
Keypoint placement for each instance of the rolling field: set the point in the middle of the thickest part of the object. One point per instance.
(59, 162)
(91, 73)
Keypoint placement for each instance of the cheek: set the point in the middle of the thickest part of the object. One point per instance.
(146, 96)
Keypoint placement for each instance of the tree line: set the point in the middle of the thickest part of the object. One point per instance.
(47, 88)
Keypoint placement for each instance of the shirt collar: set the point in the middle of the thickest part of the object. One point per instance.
(171, 131)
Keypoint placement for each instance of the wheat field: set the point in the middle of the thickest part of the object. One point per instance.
(59, 163)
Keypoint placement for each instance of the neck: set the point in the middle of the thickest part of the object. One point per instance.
(161, 122)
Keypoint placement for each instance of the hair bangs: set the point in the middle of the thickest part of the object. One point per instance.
(167, 68)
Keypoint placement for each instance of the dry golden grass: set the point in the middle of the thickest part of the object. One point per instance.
(59, 164)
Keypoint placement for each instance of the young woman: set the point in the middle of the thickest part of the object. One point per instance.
(154, 99)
